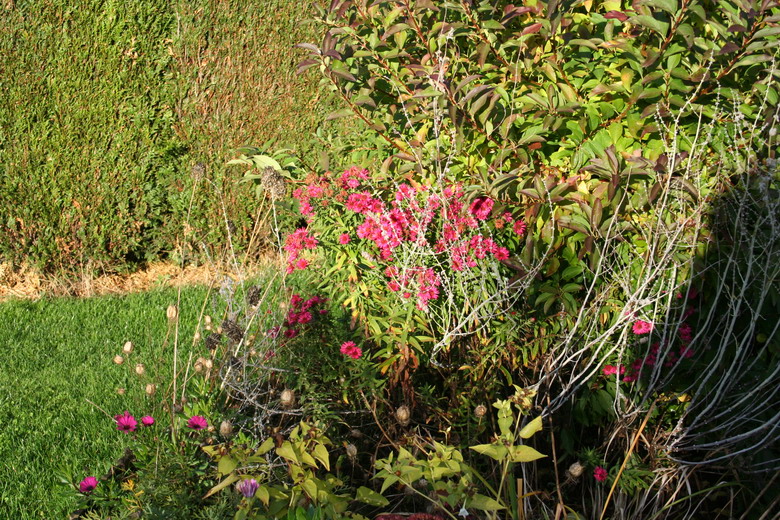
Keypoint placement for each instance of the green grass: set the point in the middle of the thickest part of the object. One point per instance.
(57, 354)
(106, 107)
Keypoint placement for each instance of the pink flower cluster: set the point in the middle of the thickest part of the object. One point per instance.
(300, 313)
(294, 245)
(405, 215)
(127, 423)
(348, 348)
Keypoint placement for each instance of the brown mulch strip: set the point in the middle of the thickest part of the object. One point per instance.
(27, 283)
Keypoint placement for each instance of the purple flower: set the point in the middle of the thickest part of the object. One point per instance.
(247, 487)
(88, 485)
(147, 420)
(125, 422)
(197, 422)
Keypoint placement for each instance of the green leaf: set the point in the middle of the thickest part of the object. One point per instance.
(524, 454)
(265, 447)
(531, 428)
(226, 465)
(321, 454)
(310, 488)
(494, 451)
(484, 503)
(651, 23)
(222, 485)
(752, 60)
(287, 452)
(370, 497)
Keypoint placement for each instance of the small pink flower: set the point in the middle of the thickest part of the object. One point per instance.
(197, 422)
(609, 370)
(147, 420)
(686, 333)
(600, 474)
(344, 239)
(642, 327)
(348, 348)
(520, 227)
(88, 485)
(125, 422)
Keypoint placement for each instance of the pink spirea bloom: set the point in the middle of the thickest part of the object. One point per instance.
(642, 327)
(197, 422)
(88, 485)
(344, 239)
(348, 348)
(600, 474)
(481, 207)
(147, 420)
(125, 422)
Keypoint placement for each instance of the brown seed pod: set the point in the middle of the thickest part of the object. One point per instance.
(172, 312)
(287, 398)
(402, 415)
(480, 411)
(226, 428)
(127, 347)
(120, 391)
(351, 451)
(575, 470)
(119, 359)
(140, 369)
(151, 388)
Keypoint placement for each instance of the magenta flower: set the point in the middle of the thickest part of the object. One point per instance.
(519, 227)
(600, 474)
(348, 348)
(197, 422)
(88, 485)
(125, 422)
(147, 420)
(481, 207)
(609, 370)
(642, 327)
(344, 239)
(247, 487)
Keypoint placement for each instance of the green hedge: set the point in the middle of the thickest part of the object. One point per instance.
(108, 107)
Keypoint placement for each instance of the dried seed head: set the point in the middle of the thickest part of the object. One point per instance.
(272, 181)
(208, 364)
(232, 331)
(207, 320)
(127, 347)
(287, 398)
(480, 411)
(213, 340)
(253, 295)
(402, 415)
(351, 451)
(355, 433)
(120, 391)
(198, 171)
(151, 388)
(140, 369)
(119, 359)
(226, 428)
(196, 337)
(575, 470)
(172, 313)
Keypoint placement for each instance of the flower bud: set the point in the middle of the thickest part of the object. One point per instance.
(140, 369)
(287, 398)
(127, 347)
(351, 451)
(402, 415)
(119, 359)
(226, 428)
(172, 312)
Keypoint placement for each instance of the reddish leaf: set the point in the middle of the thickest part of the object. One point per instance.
(616, 15)
(532, 29)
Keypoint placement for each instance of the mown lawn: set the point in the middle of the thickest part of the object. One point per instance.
(57, 355)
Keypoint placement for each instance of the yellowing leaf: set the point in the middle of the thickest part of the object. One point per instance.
(531, 428)
(222, 485)
(524, 454)
(321, 454)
